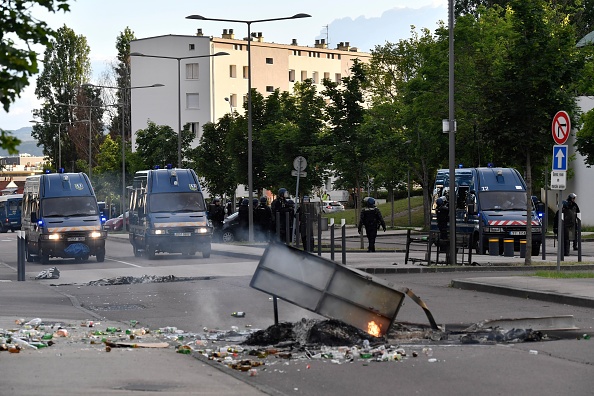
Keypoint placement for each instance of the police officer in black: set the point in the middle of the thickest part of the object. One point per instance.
(278, 211)
(443, 217)
(217, 215)
(372, 219)
(244, 218)
(263, 220)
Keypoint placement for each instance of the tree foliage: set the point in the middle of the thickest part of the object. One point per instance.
(156, 145)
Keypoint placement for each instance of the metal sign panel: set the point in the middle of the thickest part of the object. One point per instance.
(327, 288)
(560, 158)
(561, 127)
(558, 180)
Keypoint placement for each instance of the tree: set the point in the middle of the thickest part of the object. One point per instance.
(212, 159)
(585, 138)
(66, 102)
(19, 64)
(157, 145)
(532, 80)
(122, 73)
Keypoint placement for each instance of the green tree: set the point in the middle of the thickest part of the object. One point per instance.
(348, 144)
(212, 159)
(66, 102)
(18, 64)
(17, 58)
(585, 138)
(532, 80)
(122, 73)
(156, 145)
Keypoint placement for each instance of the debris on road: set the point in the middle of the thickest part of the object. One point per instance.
(50, 273)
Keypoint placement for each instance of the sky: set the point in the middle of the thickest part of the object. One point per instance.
(363, 24)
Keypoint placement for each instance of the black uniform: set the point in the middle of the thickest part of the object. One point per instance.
(244, 218)
(302, 217)
(443, 217)
(372, 219)
(567, 223)
(263, 221)
(217, 215)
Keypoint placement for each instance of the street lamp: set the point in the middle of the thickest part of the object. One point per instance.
(178, 59)
(408, 185)
(249, 48)
(230, 106)
(452, 130)
(122, 104)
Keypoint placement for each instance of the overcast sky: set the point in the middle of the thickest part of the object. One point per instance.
(362, 23)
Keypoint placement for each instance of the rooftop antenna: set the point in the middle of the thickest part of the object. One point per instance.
(327, 37)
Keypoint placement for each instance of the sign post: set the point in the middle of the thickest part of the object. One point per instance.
(560, 128)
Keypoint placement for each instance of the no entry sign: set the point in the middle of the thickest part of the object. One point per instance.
(561, 127)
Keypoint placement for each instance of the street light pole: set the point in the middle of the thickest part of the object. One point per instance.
(178, 59)
(122, 121)
(249, 51)
(452, 135)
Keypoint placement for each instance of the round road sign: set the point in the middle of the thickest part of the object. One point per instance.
(561, 127)
(299, 163)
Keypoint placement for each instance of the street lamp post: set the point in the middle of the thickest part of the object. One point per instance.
(249, 48)
(178, 59)
(230, 106)
(408, 185)
(122, 104)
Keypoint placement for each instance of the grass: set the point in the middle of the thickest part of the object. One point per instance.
(564, 275)
(400, 213)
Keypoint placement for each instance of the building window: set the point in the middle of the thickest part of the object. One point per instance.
(232, 71)
(192, 71)
(297, 52)
(192, 47)
(238, 47)
(338, 56)
(326, 76)
(245, 72)
(245, 99)
(292, 75)
(269, 61)
(195, 128)
(192, 101)
(314, 77)
(317, 54)
(337, 78)
(303, 75)
(269, 88)
(233, 100)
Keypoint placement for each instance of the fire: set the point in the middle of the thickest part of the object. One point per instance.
(373, 329)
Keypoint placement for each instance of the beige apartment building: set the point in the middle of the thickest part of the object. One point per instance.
(210, 87)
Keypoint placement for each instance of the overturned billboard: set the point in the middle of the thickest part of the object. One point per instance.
(328, 288)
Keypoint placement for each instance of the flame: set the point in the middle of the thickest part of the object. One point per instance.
(373, 329)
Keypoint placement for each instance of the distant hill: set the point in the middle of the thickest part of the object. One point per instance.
(28, 144)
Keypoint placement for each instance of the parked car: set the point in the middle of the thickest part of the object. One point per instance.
(231, 229)
(332, 207)
(115, 224)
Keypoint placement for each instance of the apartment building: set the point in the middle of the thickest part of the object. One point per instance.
(210, 87)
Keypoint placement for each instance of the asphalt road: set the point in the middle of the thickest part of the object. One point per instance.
(220, 286)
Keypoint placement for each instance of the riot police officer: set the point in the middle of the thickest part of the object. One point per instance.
(263, 220)
(372, 219)
(278, 213)
(217, 215)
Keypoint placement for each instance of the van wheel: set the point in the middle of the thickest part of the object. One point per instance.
(45, 258)
(100, 257)
(28, 256)
(137, 252)
(206, 251)
(535, 249)
(3, 229)
(149, 251)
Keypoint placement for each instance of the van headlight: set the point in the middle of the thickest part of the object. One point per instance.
(96, 234)
(54, 237)
(201, 230)
(158, 232)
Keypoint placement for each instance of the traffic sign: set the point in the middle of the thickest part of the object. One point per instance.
(560, 158)
(299, 163)
(300, 174)
(558, 180)
(561, 127)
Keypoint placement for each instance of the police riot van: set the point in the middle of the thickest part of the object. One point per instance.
(490, 204)
(60, 218)
(168, 213)
(10, 212)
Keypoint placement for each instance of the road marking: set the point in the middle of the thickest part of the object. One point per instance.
(125, 262)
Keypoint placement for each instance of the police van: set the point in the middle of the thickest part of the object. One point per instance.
(490, 204)
(10, 212)
(61, 218)
(168, 214)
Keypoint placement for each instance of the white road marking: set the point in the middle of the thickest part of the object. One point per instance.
(124, 262)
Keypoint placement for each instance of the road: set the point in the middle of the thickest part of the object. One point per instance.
(220, 286)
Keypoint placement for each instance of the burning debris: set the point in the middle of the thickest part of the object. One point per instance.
(311, 332)
(129, 280)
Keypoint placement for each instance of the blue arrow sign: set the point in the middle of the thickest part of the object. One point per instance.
(560, 157)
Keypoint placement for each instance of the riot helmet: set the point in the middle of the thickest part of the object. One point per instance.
(439, 201)
(371, 202)
(255, 202)
(216, 199)
(283, 193)
(263, 200)
(571, 197)
(365, 200)
(245, 202)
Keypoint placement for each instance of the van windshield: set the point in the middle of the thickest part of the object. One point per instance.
(503, 200)
(176, 202)
(69, 206)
